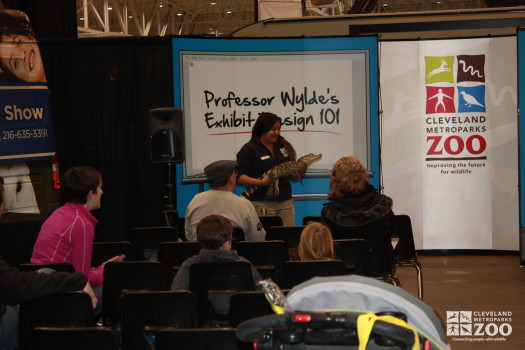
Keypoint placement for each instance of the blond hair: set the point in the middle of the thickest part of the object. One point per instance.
(316, 242)
(348, 177)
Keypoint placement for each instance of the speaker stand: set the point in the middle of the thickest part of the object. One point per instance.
(170, 212)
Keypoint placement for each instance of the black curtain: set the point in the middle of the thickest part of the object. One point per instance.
(101, 91)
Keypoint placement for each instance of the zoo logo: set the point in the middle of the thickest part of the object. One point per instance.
(450, 78)
(468, 323)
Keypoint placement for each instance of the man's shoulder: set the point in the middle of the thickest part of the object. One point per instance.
(240, 203)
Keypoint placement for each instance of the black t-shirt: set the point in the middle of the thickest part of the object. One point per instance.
(254, 159)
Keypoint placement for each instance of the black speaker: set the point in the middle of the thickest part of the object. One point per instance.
(166, 130)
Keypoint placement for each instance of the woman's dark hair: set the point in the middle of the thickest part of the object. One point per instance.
(213, 231)
(265, 123)
(78, 182)
(13, 23)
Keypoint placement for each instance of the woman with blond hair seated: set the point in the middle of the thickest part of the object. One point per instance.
(316, 242)
(357, 210)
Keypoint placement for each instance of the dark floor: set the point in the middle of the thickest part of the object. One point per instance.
(477, 284)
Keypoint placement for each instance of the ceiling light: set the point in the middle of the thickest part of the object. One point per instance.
(228, 12)
(130, 16)
(81, 18)
(110, 8)
(213, 3)
(179, 14)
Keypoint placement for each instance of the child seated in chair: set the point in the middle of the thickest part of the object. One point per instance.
(214, 233)
(316, 242)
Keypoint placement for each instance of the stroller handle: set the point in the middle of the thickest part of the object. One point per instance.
(257, 329)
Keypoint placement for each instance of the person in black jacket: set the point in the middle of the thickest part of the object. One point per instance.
(357, 210)
(17, 287)
(265, 150)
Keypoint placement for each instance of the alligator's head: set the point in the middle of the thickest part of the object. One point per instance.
(310, 158)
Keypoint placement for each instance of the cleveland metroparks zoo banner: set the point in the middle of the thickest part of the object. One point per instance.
(449, 140)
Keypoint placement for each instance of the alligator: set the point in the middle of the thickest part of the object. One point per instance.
(291, 168)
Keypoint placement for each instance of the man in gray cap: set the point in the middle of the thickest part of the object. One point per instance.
(221, 200)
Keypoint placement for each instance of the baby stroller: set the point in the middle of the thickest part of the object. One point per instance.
(345, 312)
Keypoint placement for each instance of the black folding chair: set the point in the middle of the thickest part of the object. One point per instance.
(405, 254)
(270, 220)
(308, 218)
(66, 338)
(289, 234)
(148, 239)
(237, 236)
(354, 252)
(172, 254)
(199, 339)
(127, 275)
(296, 272)
(71, 309)
(61, 267)
(18, 233)
(267, 256)
(248, 304)
(150, 309)
(214, 282)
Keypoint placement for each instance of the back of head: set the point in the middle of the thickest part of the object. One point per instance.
(348, 177)
(219, 172)
(316, 242)
(213, 231)
(77, 182)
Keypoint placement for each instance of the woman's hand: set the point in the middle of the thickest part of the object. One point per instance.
(265, 181)
(115, 258)
(245, 180)
(87, 289)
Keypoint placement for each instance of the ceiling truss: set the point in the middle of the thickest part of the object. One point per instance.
(219, 17)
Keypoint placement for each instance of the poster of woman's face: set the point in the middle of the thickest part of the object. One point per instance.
(20, 59)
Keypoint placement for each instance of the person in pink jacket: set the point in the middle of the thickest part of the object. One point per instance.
(67, 235)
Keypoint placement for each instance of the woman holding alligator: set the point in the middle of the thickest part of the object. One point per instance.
(266, 149)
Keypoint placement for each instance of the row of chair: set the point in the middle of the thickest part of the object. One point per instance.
(224, 277)
(120, 277)
(142, 244)
(125, 285)
(166, 338)
(269, 256)
(146, 241)
(157, 242)
(144, 314)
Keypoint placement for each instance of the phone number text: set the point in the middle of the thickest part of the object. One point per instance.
(23, 134)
